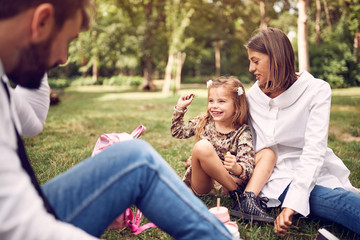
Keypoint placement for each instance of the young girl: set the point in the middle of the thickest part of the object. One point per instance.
(223, 156)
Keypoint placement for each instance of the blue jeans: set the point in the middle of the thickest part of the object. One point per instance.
(337, 205)
(97, 190)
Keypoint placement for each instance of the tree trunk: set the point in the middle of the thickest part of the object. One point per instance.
(83, 64)
(180, 62)
(357, 46)
(95, 59)
(148, 84)
(198, 67)
(217, 57)
(263, 24)
(317, 22)
(95, 69)
(302, 37)
(168, 71)
(326, 9)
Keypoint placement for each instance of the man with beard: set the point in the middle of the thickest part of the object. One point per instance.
(83, 201)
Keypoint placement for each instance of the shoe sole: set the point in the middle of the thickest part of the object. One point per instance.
(251, 217)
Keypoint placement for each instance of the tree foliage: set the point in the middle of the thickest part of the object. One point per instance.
(133, 37)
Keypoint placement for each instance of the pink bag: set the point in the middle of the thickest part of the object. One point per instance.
(127, 218)
(106, 139)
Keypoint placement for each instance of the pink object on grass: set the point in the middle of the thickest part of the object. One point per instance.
(222, 213)
(126, 219)
(107, 139)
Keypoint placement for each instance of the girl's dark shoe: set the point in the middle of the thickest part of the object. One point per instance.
(250, 207)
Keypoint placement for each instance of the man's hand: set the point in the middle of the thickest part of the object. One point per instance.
(283, 222)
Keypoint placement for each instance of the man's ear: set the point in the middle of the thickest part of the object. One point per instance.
(43, 22)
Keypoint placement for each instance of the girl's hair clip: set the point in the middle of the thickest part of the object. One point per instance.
(240, 91)
(209, 83)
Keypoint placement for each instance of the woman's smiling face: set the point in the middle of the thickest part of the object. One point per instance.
(259, 66)
(221, 105)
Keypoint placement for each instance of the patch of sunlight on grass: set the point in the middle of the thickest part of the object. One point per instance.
(148, 95)
(197, 92)
(343, 108)
(354, 91)
(97, 88)
(134, 95)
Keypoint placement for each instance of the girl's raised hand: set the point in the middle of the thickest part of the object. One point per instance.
(184, 101)
(231, 164)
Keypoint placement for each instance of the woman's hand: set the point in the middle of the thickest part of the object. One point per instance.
(231, 164)
(184, 101)
(283, 222)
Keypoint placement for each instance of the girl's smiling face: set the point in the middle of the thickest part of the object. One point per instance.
(259, 66)
(221, 106)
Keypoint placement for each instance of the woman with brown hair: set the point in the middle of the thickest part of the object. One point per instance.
(289, 113)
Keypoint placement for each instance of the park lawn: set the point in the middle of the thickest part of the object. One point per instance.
(84, 113)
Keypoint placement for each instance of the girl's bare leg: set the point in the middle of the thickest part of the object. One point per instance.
(206, 166)
(264, 164)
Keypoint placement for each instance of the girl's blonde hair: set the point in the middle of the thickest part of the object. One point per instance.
(231, 84)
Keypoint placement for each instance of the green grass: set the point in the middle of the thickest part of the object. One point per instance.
(84, 113)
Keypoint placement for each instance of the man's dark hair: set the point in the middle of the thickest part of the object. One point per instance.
(64, 9)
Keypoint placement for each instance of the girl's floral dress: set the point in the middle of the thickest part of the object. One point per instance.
(238, 143)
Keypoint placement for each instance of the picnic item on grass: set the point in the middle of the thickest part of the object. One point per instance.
(107, 139)
(222, 213)
(126, 219)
